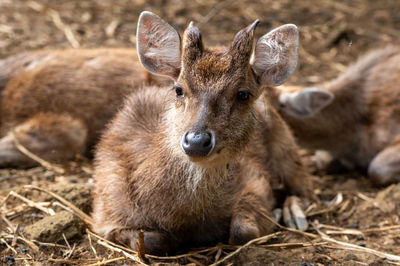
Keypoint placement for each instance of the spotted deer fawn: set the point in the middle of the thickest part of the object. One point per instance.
(355, 117)
(56, 103)
(195, 163)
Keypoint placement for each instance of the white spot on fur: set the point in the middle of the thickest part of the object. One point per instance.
(93, 62)
(38, 62)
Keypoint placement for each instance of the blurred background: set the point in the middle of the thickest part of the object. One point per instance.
(333, 33)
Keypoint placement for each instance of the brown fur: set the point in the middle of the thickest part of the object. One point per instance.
(81, 89)
(363, 119)
(144, 180)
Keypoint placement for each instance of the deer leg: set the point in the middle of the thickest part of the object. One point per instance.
(155, 243)
(384, 169)
(52, 137)
(249, 214)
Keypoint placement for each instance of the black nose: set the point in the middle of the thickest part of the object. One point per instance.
(197, 144)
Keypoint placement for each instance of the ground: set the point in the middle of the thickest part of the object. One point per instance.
(332, 35)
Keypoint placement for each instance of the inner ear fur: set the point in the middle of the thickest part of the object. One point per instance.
(158, 45)
(275, 55)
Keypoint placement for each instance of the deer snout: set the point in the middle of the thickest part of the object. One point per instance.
(198, 144)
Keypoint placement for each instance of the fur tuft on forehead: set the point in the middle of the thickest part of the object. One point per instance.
(214, 62)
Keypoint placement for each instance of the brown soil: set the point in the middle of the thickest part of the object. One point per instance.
(333, 34)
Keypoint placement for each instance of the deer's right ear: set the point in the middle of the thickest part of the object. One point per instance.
(158, 45)
(305, 103)
(275, 55)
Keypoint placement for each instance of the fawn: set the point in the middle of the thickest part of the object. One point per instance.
(56, 103)
(195, 164)
(355, 117)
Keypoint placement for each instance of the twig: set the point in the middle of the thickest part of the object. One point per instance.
(134, 258)
(256, 240)
(10, 247)
(343, 232)
(350, 246)
(141, 247)
(339, 230)
(32, 245)
(44, 244)
(294, 245)
(32, 204)
(104, 262)
(111, 243)
(36, 158)
(218, 255)
(364, 197)
(379, 229)
(90, 242)
(312, 236)
(66, 241)
(75, 261)
(16, 234)
(55, 16)
(86, 218)
(148, 255)
(5, 199)
(363, 249)
(70, 252)
(196, 262)
(214, 11)
(110, 29)
(8, 222)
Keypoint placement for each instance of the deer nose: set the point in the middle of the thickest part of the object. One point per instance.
(197, 144)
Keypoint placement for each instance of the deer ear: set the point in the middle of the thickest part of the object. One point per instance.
(305, 103)
(158, 45)
(275, 55)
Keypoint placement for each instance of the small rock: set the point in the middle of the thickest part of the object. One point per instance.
(77, 194)
(10, 258)
(51, 228)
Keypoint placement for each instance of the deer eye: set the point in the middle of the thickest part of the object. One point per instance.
(179, 91)
(243, 96)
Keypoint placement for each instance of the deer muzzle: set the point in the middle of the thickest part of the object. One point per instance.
(198, 144)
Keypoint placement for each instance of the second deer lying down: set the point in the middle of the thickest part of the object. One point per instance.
(355, 117)
(56, 103)
(194, 164)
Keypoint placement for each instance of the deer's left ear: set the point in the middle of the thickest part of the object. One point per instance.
(275, 55)
(158, 45)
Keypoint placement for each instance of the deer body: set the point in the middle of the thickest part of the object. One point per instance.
(355, 117)
(58, 102)
(194, 165)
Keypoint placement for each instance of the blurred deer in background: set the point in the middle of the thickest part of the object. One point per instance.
(194, 164)
(355, 117)
(56, 103)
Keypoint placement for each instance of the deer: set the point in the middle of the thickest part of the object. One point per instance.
(196, 163)
(56, 103)
(354, 117)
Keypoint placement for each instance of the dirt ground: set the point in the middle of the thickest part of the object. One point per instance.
(333, 34)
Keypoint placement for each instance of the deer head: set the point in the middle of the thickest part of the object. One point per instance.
(215, 89)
